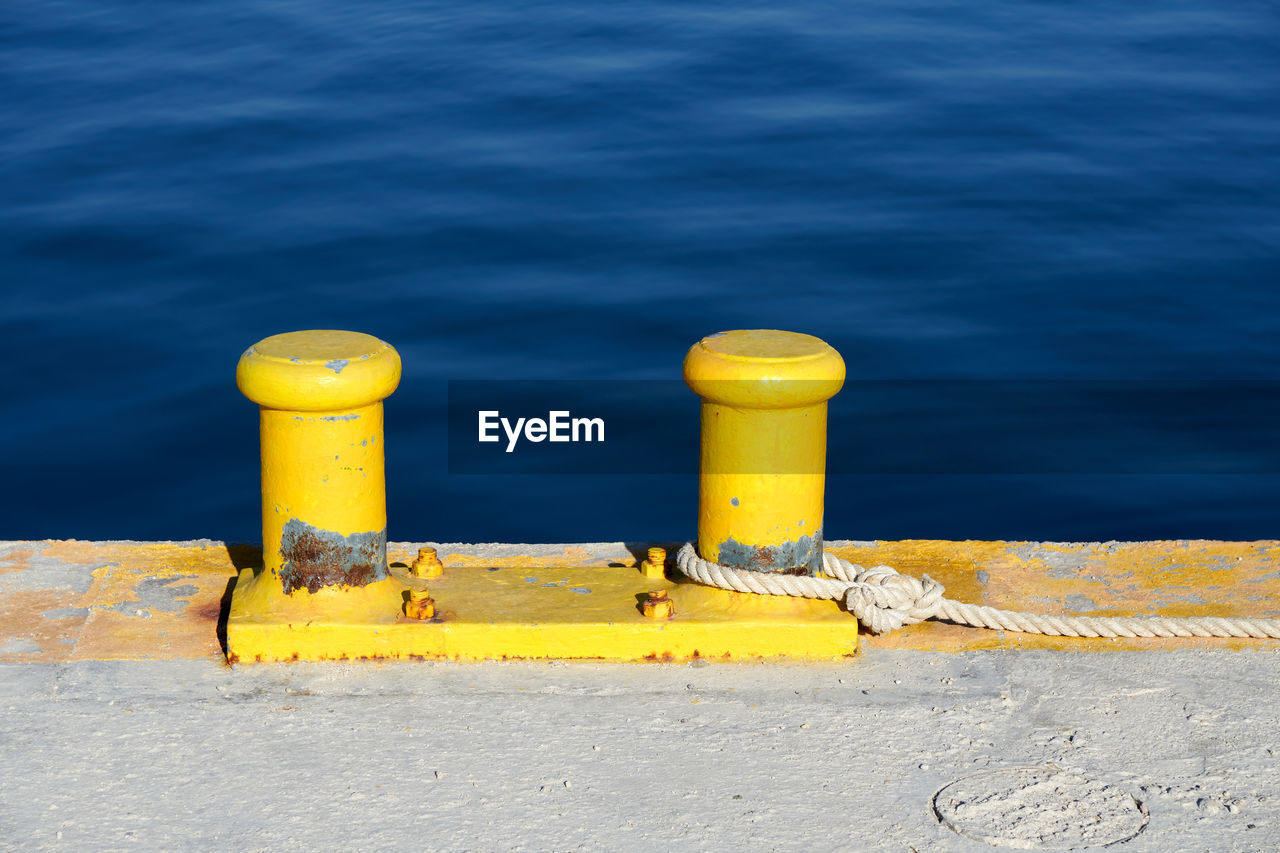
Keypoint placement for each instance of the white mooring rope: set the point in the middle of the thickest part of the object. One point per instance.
(884, 600)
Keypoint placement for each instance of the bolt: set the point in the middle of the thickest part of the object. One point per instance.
(656, 565)
(420, 605)
(658, 606)
(427, 565)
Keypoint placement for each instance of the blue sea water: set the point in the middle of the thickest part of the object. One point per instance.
(571, 190)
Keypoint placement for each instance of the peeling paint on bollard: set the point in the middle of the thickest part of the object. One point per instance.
(802, 556)
(324, 512)
(314, 558)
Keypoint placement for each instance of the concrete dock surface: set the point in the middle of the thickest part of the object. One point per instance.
(123, 727)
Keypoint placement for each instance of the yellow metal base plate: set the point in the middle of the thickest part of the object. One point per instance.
(504, 613)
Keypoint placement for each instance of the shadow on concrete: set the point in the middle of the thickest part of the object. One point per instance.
(224, 610)
(242, 557)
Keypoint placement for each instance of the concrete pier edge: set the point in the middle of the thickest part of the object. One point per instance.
(123, 727)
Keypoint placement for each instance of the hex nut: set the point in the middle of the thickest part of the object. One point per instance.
(658, 606)
(419, 605)
(656, 566)
(427, 565)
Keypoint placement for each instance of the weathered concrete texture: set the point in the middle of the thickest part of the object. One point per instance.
(193, 755)
(69, 600)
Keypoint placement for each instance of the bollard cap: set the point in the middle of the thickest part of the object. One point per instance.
(318, 371)
(763, 369)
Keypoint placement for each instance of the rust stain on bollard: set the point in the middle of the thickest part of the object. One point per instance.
(802, 556)
(314, 558)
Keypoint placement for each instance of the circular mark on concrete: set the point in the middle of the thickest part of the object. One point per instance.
(1039, 808)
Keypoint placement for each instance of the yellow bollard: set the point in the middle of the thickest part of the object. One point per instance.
(764, 446)
(324, 505)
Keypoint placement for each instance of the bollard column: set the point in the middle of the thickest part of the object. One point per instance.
(324, 507)
(764, 443)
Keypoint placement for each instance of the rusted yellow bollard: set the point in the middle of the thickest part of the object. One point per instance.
(764, 446)
(324, 506)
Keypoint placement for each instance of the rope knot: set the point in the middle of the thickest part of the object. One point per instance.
(884, 600)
